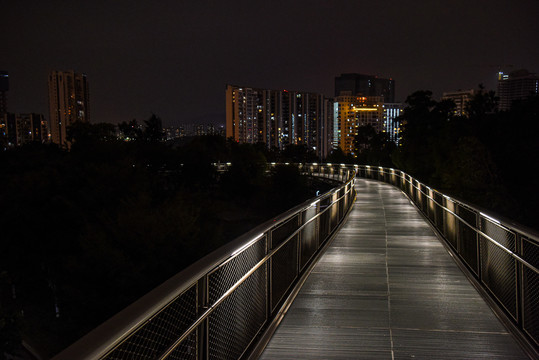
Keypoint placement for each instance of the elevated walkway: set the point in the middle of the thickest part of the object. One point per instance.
(387, 288)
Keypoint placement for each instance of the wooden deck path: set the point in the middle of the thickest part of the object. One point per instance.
(386, 288)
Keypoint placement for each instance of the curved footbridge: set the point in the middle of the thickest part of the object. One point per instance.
(387, 288)
(355, 273)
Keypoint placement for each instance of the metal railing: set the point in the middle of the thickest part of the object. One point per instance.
(219, 306)
(502, 257)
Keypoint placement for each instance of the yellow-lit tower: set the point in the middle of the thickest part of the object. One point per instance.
(355, 111)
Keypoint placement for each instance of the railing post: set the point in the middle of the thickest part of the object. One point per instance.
(268, 274)
(203, 331)
(298, 242)
(478, 228)
(520, 281)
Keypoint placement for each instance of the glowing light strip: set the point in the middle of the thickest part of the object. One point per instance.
(247, 245)
(491, 218)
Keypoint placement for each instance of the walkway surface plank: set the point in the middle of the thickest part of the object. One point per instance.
(387, 289)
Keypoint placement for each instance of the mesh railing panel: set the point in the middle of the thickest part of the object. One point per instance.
(225, 276)
(406, 185)
(422, 198)
(284, 270)
(334, 213)
(438, 210)
(187, 350)
(350, 196)
(283, 231)
(530, 292)
(309, 238)
(450, 223)
(238, 319)
(514, 284)
(341, 204)
(467, 239)
(224, 322)
(431, 208)
(394, 179)
(161, 331)
(324, 221)
(498, 268)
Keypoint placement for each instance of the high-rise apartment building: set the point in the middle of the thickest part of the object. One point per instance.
(351, 112)
(365, 85)
(19, 129)
(69, 101)
(279, 118)
(4, 88)
(516, 85)
(460, 98)
(391, 121)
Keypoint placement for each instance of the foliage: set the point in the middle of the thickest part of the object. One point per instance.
(476, 157)
(289, 187)
(130, 130)
(297, 154)
(422, 126)
(153, 130)
(337, 156)
(373, 148)
(84, 133)
(88, 231)
(10, 337)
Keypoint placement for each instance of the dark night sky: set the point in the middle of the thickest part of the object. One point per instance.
(174, 58)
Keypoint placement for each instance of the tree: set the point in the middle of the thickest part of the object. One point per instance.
(246, 177)
(298, 154)
(130, 130)
(414, 155)
(373, 148)
(483, 103)
(153, 130)
(197, 158)
(288, 186)
(84, 133)
(338, 156)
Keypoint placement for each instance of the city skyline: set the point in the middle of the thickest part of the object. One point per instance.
(175, 59)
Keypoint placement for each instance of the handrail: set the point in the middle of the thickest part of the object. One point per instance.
(199, 298)
(501, 256)
(242, 280)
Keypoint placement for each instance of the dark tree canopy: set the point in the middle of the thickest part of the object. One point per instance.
(90, 229)
(474, 156)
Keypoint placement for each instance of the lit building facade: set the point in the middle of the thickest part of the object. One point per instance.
(19, 129)
(69, 101)
(461, 99)
(186, 130)
(516, 85)
(351, 112)
(279, 118)
(365, 85)
(391, 122)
